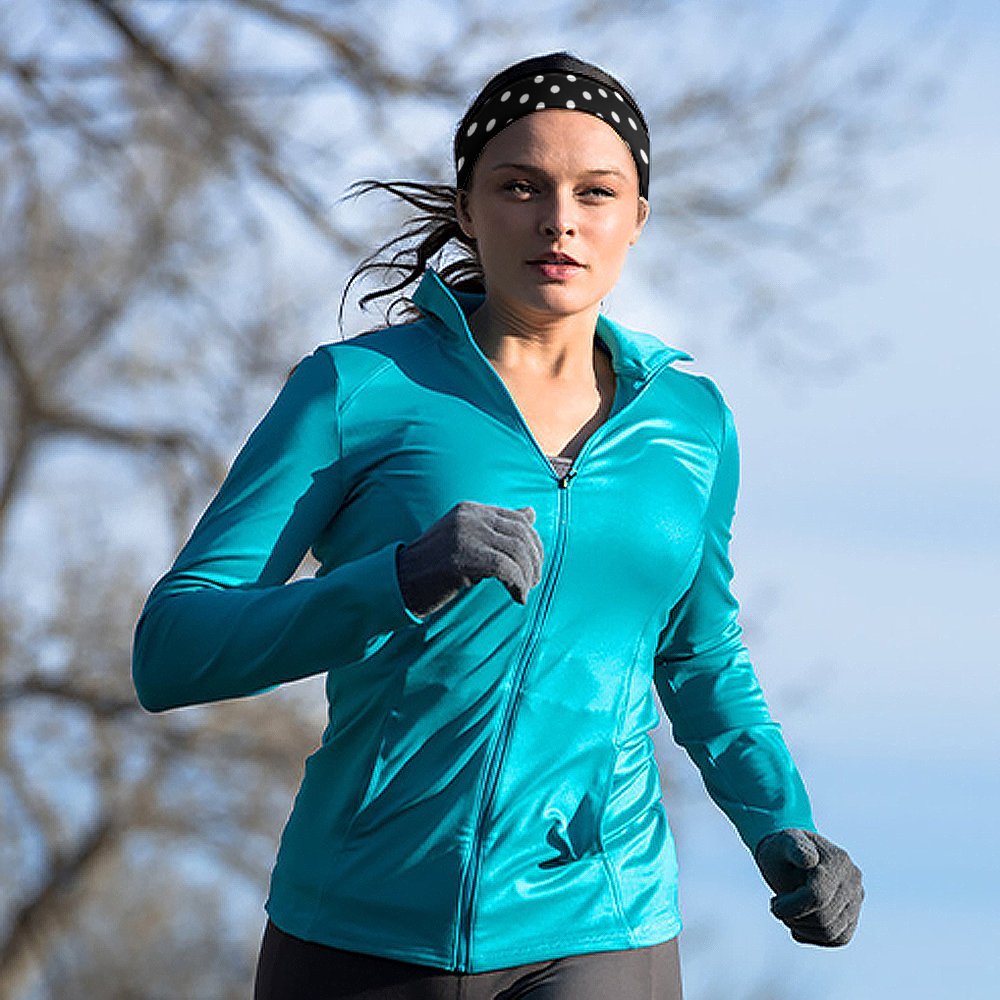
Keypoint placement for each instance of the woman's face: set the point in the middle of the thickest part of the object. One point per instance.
(554, 200)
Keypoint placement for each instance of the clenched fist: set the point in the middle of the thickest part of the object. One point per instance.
(817, 885)
(469, 543)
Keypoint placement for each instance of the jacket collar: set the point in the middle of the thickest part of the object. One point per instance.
(634, 353)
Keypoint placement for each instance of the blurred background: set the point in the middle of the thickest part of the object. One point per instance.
(823, 240)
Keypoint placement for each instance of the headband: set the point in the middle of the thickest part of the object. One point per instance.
(556, 89)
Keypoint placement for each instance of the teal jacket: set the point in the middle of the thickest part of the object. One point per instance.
(485, 793)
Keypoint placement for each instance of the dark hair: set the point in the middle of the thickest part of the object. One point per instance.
(437, 224)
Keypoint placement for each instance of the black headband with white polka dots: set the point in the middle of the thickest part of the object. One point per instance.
(553, 90)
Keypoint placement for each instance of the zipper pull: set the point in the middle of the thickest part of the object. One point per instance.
(564, 481)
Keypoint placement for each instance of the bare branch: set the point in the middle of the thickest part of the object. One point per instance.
(225, 121)
(97, 702)
(66, 872)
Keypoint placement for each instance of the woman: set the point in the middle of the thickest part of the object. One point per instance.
(522, 514)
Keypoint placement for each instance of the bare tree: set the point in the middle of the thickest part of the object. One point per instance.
(169, 241)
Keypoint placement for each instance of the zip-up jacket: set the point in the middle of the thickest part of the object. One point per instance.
(485, 793)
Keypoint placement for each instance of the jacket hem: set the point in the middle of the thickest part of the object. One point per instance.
(562, 947)
(552, 948)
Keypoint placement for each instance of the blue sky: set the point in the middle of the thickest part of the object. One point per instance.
(866, 559)
(866, 551)
(866, 556)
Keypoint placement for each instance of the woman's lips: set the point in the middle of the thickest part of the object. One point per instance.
(558, 271)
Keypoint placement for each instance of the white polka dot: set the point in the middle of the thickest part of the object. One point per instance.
(539, 105)
(633, 124)
(524, 97)
(602, 92)
(461, 160)
(586, 94)
(619, 96)
(614, 114)
(505, 95)
(472, 128)
(645, 158)
(570, 104)
(490, 124)
(539, 78)
(554, 88)
(569, 76)
(599, 115)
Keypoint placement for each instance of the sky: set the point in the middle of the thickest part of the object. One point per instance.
(867, 562)
(866, 551)
(865, 559)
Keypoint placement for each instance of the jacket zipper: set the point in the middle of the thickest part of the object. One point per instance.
(494, 766)
(499, 751)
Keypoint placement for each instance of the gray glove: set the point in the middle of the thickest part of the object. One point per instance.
(472, 541)
(818, 887)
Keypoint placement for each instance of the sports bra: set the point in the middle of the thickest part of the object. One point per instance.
(560, 464)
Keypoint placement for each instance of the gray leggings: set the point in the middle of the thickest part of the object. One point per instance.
(289, 968)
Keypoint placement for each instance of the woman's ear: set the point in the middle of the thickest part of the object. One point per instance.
(642, 215)
(462, 212)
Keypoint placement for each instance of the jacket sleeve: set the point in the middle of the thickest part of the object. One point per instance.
(707, 685)
(222, 622)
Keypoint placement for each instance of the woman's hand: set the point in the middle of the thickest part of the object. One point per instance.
(472, 541)
(817, 885)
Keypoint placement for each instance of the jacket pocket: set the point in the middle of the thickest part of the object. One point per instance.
(370, 788)
(634, 790)
(574, 837)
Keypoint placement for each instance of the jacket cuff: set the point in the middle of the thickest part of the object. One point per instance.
(394, 573)
(373, 578)
(753, 826)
